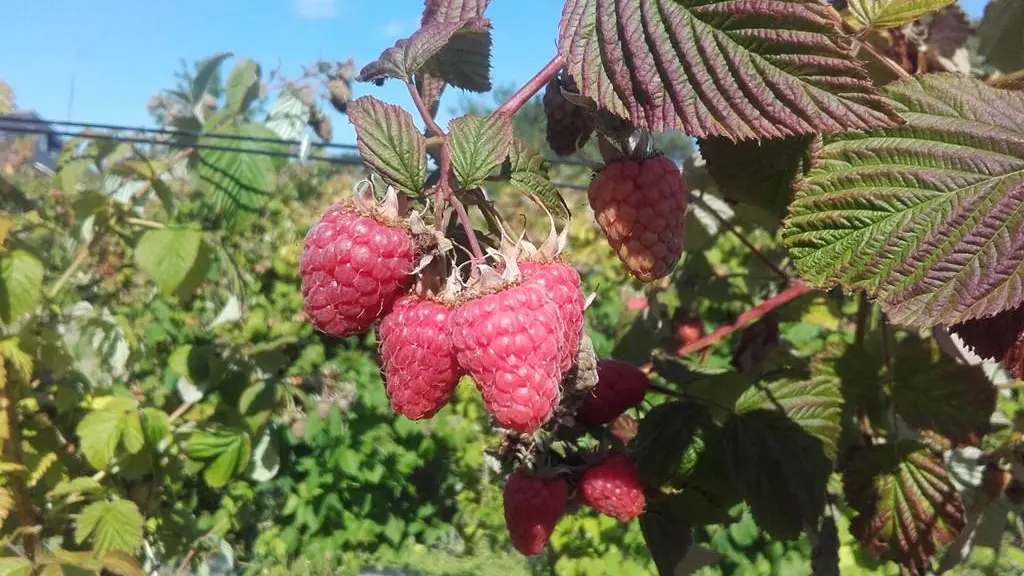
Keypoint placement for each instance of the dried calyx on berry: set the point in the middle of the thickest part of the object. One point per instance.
(640, 202)
(356, 260)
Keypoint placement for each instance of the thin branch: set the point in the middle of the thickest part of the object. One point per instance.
(81, 255)
(863, 316)
(743, 239)
(145, 223)
(795, 290)
(532, 86)
(421, 106)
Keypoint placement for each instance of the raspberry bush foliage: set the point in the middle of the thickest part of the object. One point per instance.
(799, 351)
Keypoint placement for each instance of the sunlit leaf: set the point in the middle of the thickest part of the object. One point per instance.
(21, 276)
(893, 13)
(527, 170)
(741, 70)
(478, 145)
(243, 86)
(168, 254)
(239, 182)
(925, 217)
(389, 143)
(115, 525)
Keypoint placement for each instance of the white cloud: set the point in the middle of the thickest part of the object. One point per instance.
(316, 9)
(393, 28)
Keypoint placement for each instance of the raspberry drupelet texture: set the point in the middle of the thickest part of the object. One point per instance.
(620, 386)
(510, 342)
(418, 362)
(533, 506)
(612, 487)
(561, 282)
(641, 207)
(353, 267)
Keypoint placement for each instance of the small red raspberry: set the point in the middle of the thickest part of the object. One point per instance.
(354, 264)
(417, 359)
(561, 282)
(510, 342)
(533, 506)
(641, 207)
(612, 487)
(620, 386)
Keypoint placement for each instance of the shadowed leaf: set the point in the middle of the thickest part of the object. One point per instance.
(409, 55)
(1001, 34)
(906, 506)
(1000, 338)
(914, 214)
(527, 170)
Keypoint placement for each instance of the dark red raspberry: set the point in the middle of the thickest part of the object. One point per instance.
(641, 207)
(533, 506)
(561, 282)
(568, 126)
(417, 359)
(510, 342)
(354, 264)
(620, 386)
(612, 487)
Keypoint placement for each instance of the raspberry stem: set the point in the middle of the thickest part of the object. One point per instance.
(421, 106)
(532, 86)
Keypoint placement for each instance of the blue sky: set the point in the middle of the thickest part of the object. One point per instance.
(121, 52)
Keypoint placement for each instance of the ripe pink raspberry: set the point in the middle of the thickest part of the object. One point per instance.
(533, 506)
(561, 282)
(620, 386)
(612, 487)
(354, 264)
(510, 342)
(417, 359)
(641, 207)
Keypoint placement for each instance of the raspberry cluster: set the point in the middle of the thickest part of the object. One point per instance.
(516, 327)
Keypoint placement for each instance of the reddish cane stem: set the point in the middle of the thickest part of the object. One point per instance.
(795, 290)
(421, 106)
(523, 95)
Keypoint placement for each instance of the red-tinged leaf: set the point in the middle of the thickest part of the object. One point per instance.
(740, 69)
(478, 145)
(906, 505)
(1000, 338)
(389, 143)
(409, 55)
(465, 61)
(928, 217)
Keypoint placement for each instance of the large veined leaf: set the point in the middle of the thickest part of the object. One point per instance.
(893, 13)
(21, 275)
(115, 525)
(225, 454)
(928, 217)
(906, 505)
(290, 112)
(1000, 337)
(239, 182)
(389, 143)
(168, 254)
(738, 69)
(243, 86)
(1001, 35)
(204, 76)
(102, 431)
(465, 60)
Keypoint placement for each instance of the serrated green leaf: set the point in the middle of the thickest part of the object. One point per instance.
(906, 507)
(465, 61)
(409, 55)
(256, 403)
(1001, 35)
(13, 566)
(156, 425)
(100, 434)
(243, 87)
(131, 436)
(719, 392)
(80, 485)
(792, 495)
(814, 403)
(881, 14)
(225, 454)
(205, 74)
(290, 113)
(21, 276)
(168, 254)
(716, 68)
(926, 217)
(239, 182)
(110, 526)
(389, 143)
(478, 145)
(71, 166)
(665, 437)
(527, 170)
